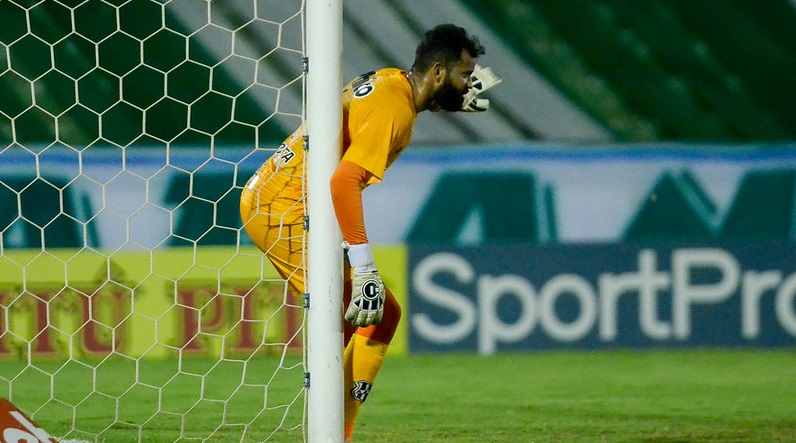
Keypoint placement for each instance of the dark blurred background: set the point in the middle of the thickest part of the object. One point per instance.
(574, 70)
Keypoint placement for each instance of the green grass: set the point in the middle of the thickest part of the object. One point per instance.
(652, 397)
(617, 396)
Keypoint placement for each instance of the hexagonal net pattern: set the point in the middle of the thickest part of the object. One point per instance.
(133, 306)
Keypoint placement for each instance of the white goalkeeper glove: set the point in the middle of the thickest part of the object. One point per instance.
(483, 79)
(367, 292)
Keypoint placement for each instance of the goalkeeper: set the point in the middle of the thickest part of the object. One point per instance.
(379, 111)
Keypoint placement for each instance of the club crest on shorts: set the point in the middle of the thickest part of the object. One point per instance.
(361, 390)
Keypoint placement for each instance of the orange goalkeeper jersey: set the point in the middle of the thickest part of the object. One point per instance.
(378, 117)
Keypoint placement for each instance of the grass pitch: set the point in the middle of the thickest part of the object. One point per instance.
(650, 396)
(607, 396)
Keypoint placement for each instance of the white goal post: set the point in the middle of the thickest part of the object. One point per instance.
(324, 123)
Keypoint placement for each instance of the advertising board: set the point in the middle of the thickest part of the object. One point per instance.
(525, 297)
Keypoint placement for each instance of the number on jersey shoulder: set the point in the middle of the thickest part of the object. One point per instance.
(363, 85)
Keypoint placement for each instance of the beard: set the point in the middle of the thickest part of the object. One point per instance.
(449, 98)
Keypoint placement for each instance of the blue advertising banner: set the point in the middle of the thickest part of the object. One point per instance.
(530, 297)
(147, 196)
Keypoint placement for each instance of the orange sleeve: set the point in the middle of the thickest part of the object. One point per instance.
(347, 183)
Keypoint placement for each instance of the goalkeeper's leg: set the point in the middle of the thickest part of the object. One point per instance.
(277, 229)
(364, 355)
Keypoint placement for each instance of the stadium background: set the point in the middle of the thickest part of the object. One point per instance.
(622, 129)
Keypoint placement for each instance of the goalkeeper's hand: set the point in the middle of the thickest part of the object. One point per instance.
(367, 298)
(367, 292)
(483, 79)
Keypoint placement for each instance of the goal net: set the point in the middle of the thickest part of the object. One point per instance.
(132, 306)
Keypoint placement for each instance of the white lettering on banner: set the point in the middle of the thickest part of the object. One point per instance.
(480, 313)
(685, 294)
(582, 290)
(786, 299)
(491, 327)
(647, 282)
(755, 284)
(445, 298)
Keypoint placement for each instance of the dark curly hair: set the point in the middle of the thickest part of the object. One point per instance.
(444, 44)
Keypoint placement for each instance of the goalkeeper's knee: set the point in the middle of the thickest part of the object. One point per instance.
(385, 330)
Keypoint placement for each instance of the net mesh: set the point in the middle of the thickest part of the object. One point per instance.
(132, 306)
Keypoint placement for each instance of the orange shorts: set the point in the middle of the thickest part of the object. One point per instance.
(277, 228)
